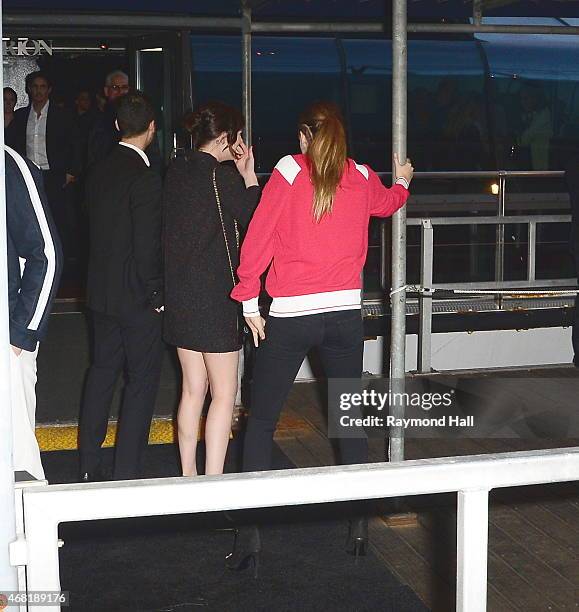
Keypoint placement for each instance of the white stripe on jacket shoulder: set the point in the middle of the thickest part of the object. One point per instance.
(289, 168)
(362, 170)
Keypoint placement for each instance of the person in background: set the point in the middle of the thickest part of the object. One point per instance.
(10, 100)
(47, 135)
(537, 127)
(203, 200)
(124, 293)
(34, 268)
(101, 101)
(104, 135)
(311, 225)
(85, 116)
(445, 102)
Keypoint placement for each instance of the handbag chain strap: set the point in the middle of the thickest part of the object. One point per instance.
(218, 200)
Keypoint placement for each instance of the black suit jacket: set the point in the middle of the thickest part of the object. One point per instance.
(124, 206)
(62, 141)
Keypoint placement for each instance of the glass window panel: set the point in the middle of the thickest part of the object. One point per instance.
(216, 69)
(464, 253)
(553, 257)
(516, 252)
(288, 75)
(447, 126)
(533, 97)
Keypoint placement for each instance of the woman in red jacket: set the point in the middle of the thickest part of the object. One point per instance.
(312, 226)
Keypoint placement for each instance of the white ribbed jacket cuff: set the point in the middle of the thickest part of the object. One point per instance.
(251, 307)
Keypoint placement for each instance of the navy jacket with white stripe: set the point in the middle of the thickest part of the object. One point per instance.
(34, 252)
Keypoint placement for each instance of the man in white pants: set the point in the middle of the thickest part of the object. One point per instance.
(34, 268)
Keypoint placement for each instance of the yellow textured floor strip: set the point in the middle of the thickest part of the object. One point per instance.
(65, 437)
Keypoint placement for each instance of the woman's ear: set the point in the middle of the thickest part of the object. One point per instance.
(303, 142)
(222, 138)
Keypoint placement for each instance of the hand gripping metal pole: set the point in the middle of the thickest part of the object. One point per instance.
(398, 336)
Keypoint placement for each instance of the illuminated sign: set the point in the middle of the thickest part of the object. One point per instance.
(26, 47)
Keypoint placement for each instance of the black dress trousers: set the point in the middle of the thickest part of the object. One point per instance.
(134, 341)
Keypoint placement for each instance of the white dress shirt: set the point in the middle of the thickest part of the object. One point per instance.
(139, 151)
(36, 137)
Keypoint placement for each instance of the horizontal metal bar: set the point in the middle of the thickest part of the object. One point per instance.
(161, 496)
(474, 220)
(462, 174)
(322, 27)
(465, 28)
(120, 21)
(522, 284)
(219, 23)
(478, 303)
(473, 174)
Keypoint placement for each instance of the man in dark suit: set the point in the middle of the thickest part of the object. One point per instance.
(47, 135)
(104, 134)
(124, 292)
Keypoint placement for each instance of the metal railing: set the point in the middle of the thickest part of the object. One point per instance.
(428, 287)
(472, 477)
(501, 176)
(500, 220)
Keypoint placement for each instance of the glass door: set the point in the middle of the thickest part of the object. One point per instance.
(152, 60)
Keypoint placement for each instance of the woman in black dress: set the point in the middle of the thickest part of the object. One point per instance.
(204, 199)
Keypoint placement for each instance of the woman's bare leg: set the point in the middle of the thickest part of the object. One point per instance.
(222, 374)
(194, 390)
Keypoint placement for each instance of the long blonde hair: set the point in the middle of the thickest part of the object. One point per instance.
(322, 126)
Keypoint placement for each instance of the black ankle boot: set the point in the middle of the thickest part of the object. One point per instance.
(246, 550)
(357, 541)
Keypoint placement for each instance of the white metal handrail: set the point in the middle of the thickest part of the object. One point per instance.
(472, 477)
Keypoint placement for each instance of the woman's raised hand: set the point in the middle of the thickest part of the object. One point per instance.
(245, 163)
(403, 170)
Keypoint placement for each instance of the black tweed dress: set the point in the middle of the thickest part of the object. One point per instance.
(199, 314)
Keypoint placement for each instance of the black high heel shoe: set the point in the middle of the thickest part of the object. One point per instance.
(246, 550)
(357, 542)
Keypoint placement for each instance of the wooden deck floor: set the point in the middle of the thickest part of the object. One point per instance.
(533, 562)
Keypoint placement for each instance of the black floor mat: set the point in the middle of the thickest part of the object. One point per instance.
(176, 563)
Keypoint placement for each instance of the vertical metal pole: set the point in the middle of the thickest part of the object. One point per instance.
(500, 243)
(477, 12)
(383, 246)
(500, 235)
(425, 330)
(472, 523)
(247, 108)
(398, 339)
(138, 69)
(532, 251)
(187, 67)
(8, 574)
(246, 69)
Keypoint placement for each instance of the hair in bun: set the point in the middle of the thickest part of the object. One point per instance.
(212, 119)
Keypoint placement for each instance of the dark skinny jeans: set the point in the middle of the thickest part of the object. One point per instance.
(338, 336)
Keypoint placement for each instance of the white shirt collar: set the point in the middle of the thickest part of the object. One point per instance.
(139, 151)
(44, 110)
